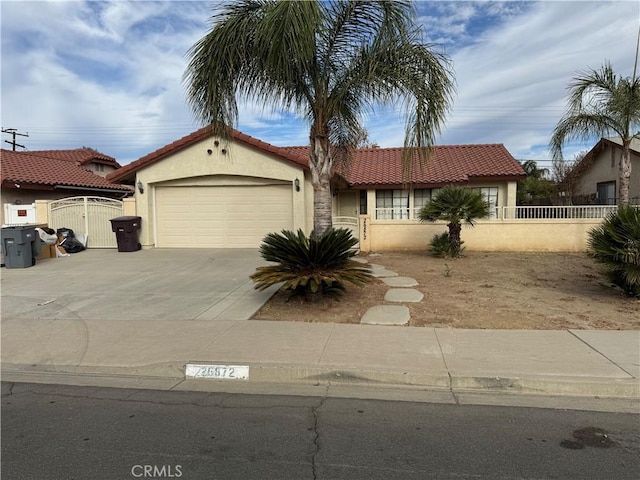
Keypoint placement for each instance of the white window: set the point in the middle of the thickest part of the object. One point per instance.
(490, 194)
(392, 204)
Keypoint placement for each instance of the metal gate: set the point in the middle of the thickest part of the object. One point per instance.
(87, 216)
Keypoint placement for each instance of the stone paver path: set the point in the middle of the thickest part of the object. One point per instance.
(392, 314)
(409, 295)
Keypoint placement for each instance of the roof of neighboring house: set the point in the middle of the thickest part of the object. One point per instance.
(54, 168)
(82, 156)
(128, 171)
(598, 148)
(446, 164)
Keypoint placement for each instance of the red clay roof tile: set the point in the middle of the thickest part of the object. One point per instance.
(52, 168)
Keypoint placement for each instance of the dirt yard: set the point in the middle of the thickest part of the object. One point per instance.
(483, 290)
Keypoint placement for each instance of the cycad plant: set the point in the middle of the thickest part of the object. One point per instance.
(455, 205)
(616, 245)
(311, 267)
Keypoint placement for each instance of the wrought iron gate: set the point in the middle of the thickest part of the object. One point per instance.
(87, 216)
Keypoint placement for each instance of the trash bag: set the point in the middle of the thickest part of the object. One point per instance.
(72, 245)
(66, 232)
(47, 237)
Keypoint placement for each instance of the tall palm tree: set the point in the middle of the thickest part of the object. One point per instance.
(600, 104)
(455, 205)
(329, 62)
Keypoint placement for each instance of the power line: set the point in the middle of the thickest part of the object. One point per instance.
(13, 132)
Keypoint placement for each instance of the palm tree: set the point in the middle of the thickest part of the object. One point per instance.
(329, 62)
(601, 103)
(455, 205)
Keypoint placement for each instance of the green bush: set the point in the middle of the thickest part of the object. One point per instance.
(440, 246)
(311, 267)
(616, 245)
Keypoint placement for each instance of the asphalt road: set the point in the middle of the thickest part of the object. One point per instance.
(62, 433)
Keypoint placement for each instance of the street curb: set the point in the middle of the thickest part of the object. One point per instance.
(169, 375)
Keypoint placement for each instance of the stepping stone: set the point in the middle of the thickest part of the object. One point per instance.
(410, 295)
(375, 266)
(386, 315)
(359, 260)
(401, 282)
(383, 273)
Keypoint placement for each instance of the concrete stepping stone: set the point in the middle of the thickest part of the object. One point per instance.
(409, 295)
(375, 266)
(386, 315)
(359, 260)
(383, 273)
(401, 282)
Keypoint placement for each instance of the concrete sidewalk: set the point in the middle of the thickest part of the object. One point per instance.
(153, 354)
(108, 319)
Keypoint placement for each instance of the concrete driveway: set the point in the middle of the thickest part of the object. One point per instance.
(196, 284)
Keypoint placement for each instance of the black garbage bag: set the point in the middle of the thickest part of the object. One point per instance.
(72, 245)
(66, 233)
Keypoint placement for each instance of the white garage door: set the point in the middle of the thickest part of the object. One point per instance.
(221, 217)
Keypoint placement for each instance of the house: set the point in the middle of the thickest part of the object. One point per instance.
(595, 177)
(201, 191)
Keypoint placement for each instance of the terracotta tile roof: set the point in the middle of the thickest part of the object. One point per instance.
(51, 170)
(81, 156)
(447, 164)
(128, 171)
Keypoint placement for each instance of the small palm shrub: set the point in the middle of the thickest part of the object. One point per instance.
(311, 267)
(440, 246)
(616, 245)
(455, 205)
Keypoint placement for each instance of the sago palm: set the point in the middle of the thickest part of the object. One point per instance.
(313, 266)
(616, 245)
(600, 104)
(329, 62)
(455, 205)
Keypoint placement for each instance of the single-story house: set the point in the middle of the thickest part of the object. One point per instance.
(596, 175)
(201, 191)
(28, 176)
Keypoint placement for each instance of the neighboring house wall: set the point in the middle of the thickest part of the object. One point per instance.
(100, 169)
(205, 164)
(603, 169)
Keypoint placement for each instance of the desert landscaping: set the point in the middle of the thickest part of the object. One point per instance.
(549, 291)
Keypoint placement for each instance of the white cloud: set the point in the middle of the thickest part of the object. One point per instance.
(109, 74)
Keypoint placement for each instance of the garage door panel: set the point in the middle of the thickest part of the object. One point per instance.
(221, 217)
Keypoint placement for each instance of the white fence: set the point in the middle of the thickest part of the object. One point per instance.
(515, 213)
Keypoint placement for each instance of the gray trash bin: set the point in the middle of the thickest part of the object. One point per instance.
(20, 246)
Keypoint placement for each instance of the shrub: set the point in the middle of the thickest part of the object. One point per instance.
(616, 245)
(311, 267)
(440, 246)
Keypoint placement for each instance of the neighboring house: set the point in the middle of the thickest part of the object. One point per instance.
(202, 192)
(596, 176)
(28, 176)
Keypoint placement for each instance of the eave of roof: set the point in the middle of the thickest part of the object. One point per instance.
(127, 173)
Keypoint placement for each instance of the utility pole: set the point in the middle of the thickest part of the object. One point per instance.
(14, 132)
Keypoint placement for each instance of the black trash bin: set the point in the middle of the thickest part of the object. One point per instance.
(20, 246)
(126, 230)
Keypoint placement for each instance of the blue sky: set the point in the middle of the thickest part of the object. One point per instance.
(108, 75)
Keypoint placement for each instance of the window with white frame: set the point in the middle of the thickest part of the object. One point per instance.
(490, 195)
(392, 204)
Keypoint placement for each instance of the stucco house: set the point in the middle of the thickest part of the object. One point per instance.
(596, 176)
(200, 191)
(28, 176)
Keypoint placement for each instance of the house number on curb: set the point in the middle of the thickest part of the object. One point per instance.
(224, 372)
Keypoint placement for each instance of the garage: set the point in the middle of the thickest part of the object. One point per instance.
(221, 216)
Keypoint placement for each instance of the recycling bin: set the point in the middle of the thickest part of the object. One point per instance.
(126, 230)
(20, 246)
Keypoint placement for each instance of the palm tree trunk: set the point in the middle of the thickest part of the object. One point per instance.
(320, 165)
(454, 238)
(625, 173)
